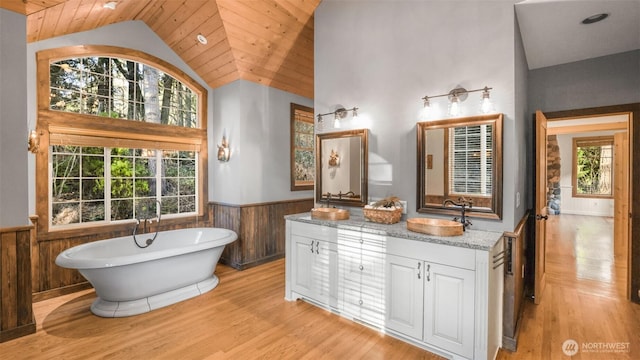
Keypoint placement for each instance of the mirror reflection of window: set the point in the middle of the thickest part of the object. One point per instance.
(458, 158)
(470, 160)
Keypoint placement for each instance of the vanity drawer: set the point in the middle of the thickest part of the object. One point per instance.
(318, 232)
(364, 241)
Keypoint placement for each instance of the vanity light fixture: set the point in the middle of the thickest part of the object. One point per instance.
(457, 96)
(338, 115)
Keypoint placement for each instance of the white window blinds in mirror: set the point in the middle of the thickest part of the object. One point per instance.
(470, 160)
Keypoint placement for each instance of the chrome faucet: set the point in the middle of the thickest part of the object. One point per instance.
(463, 204)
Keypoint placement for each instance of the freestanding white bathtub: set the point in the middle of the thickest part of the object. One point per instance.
(128, 280)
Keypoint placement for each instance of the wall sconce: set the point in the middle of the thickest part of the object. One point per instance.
(223, 150)
(338, 115)
(34, 141)
(457, 96)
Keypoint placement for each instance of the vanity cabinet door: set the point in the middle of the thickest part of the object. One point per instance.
(449, 308)
(313, 276)
(404, 295)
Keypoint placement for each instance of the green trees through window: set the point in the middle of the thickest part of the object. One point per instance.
(124, 131)
(122, 89)
(95, 184)
(593, 166)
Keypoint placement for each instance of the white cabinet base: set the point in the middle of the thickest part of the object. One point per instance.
(444, 299)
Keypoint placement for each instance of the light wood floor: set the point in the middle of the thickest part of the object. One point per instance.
(585, 296)
(245, 317)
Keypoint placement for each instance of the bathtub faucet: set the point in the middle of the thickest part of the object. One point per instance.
(148, 220)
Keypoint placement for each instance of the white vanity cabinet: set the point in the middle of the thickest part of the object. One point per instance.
(314, 266)
(360, 269)
(404, 295)
(444, 298)
(449, 308)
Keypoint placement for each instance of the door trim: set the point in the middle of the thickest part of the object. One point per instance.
(633, 109)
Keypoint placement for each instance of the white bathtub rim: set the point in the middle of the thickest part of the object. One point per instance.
(67, 259)
(113, 309)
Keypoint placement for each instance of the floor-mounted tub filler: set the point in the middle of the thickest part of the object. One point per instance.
(130, 280)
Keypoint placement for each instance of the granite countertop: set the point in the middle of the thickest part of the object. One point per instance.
(473, 239)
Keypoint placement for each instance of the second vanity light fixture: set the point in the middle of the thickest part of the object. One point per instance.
(458, 95)
(338, 115)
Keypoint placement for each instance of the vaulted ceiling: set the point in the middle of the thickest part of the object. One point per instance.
(267, 41)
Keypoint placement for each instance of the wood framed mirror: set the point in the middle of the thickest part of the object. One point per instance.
(460, 158)
(341, 167)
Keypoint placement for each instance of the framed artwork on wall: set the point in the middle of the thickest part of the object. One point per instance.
(302, 148)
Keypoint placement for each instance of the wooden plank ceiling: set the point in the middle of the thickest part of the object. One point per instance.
(265, 41)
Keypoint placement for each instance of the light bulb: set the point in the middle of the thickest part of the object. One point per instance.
(426, 110)
(336, 123)
(486, 106)
(320, 124)
(454, 106)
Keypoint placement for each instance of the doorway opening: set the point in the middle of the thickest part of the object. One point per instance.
(587, 197)
(586, 235)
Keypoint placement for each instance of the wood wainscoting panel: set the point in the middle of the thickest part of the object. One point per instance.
(260, 229)
(16, 313)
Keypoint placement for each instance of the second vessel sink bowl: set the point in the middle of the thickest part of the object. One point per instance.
(435, 227)
(329, 214)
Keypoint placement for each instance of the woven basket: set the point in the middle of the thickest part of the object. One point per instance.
(383, 216)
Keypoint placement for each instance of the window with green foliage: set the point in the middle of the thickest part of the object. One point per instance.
(123, 132)
(593, 167)
(95, 184)
(121, 88)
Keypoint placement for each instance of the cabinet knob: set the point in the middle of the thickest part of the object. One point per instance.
(361, 267)
(428, 272)
(312, 241)
(361, 302)
(419, 272)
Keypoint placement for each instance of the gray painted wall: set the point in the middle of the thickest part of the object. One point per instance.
(385, 56)
(13, 120)
(255, 119)
(607, 80)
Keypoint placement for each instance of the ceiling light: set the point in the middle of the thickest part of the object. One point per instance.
(595, 18)
(203, 40)
(111, 5)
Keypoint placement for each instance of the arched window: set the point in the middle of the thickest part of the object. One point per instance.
(120, 132)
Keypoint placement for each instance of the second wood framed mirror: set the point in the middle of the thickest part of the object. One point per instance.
(460, 158)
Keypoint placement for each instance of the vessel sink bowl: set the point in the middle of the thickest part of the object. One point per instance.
(329, 214)
(435, 227)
